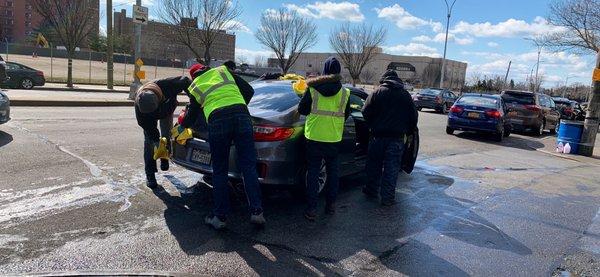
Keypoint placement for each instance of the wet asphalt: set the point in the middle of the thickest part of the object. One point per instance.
(72, 199)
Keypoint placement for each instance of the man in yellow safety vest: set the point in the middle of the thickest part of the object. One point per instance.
(222, 97)
(326, 106)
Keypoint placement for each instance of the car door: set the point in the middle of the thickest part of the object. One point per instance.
(13, 72)
(553, 114)
(350, 138)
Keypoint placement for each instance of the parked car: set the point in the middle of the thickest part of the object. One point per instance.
(409, 87)
(279, 136)
(4, 108)
(531, 112)
(480, 113)
(435, 98)
(569, 109)
(21, 76)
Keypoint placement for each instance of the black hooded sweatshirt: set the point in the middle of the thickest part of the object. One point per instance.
(389, 110)
(326, 85)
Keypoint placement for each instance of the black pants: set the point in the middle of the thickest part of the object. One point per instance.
(166, 124)
(321, 154)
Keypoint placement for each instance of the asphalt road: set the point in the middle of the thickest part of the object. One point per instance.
(72, 199)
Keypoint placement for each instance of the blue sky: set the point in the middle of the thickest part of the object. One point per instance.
(486, 34)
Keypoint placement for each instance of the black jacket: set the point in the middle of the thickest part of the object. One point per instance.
(194, 111)
(327, 85)
(170, 87)
(390, 111)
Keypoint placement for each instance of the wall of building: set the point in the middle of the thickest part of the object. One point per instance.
(158, 40)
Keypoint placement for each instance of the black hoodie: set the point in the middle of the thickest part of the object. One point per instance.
(389, 110)
(326, 85)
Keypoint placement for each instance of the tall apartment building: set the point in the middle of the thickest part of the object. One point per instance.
(18, 19)
(158, 40)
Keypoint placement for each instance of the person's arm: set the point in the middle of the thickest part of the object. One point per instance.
(410, 105)
(348, 110)
(245, 88)
(305, 103)
(369, 108)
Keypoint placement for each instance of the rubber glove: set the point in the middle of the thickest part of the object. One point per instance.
(184, 136)
(161, 151)
(299, 86)
(176, 131)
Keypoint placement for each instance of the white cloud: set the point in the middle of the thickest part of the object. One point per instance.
(507, 29)
(239, 26)
(250, 55)
(412, 49)
(345, 11)
(441, 37)
(493, 44)
(404, 20)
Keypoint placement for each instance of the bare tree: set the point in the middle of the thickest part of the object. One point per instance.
(71, 22)
(356, 46)
(368, 76)
(287, 34)
(581, 22)
(197, 23)
(241, 59)
(260, 61)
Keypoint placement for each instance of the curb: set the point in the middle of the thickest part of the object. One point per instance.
(79, 89)
(74, 103)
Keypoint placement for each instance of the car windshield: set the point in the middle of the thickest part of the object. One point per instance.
(430, 92)
(477, 101)
(518, 98)
(562, 103)
(273, 96)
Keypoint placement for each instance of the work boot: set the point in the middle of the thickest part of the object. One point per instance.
(258, 219)
(311, 215)
(151, 181)
(330, 209)
(164, 164)
(215, 222)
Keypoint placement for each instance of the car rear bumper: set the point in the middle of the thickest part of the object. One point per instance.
(273, 167)
(39, 81)
(427, 104)
(464, 124)
(525, 123)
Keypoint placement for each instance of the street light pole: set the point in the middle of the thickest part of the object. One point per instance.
(109, 46)
(537, 69)
(449, 10)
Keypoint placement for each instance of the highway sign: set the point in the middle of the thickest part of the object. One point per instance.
(139, 62)
(141, 74)
(140, 15)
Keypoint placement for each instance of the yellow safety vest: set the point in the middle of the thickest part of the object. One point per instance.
(216, 89)
(325, 123)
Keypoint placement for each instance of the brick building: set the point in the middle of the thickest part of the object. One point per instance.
(18, 19)
(157, 40)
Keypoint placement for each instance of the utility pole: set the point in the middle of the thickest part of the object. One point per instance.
(590, 126)
(507, 71)
(110, 43)
(138, 49)
(449, 10)
(537, 69)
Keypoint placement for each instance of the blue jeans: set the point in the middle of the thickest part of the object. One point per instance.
(166, 124)
(316, 153)
(222, 131)
(383, 166)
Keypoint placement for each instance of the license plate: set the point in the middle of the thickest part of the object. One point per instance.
(473, 115)
(513, 113)
(201, 156)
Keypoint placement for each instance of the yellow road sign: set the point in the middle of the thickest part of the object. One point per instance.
(139, 62)
(141, 75)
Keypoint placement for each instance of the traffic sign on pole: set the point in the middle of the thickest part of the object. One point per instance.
(141, 74)
(139, 62)
(140, 15)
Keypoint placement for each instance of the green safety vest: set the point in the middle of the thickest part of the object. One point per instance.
(325, 123)
(216, 89)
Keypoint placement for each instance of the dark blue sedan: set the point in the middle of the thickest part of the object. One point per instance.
(480, 113)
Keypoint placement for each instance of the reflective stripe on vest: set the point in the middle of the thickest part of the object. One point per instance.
(325, 123)
(215, 89)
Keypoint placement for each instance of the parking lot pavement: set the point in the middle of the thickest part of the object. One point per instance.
(73, 199)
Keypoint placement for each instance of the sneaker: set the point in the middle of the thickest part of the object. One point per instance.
(151, 181)
(258, 219)
(369, 193)
(330, 209)
(311, 215)
(164, 164)
(215, 222)
(388, 203)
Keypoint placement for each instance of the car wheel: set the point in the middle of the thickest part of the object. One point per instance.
(449, 130)
(445, 109)
(300, 190)
(499, 136)
(540, 130)
(26, 83)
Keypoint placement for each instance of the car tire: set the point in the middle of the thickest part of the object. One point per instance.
(499, 136)
(299, 190)
(26, 83)
(539, 131)
(449, 130)
(445, 109)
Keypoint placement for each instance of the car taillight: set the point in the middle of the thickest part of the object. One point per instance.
(438, 99)
(534, 108)
(456, 109)
(269, 133)
(39, 73)
(493, 113)
(181, 116)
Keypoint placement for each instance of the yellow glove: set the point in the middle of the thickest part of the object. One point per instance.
(161, 151)
(184, 136)
(299, 86)
(176, 131)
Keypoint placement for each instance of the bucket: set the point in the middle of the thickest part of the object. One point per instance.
(570, 132)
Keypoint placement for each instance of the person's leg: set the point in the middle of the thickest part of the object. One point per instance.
(374, 167)
(149, 162)
(246, 154)
(391, 169)
(314, 157)
(331, 152)
(166, 124)
(220, 134)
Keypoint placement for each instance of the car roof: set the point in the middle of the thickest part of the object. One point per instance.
(494, 96)
(519, 91)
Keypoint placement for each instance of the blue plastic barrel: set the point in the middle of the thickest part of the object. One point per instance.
(570, 132)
